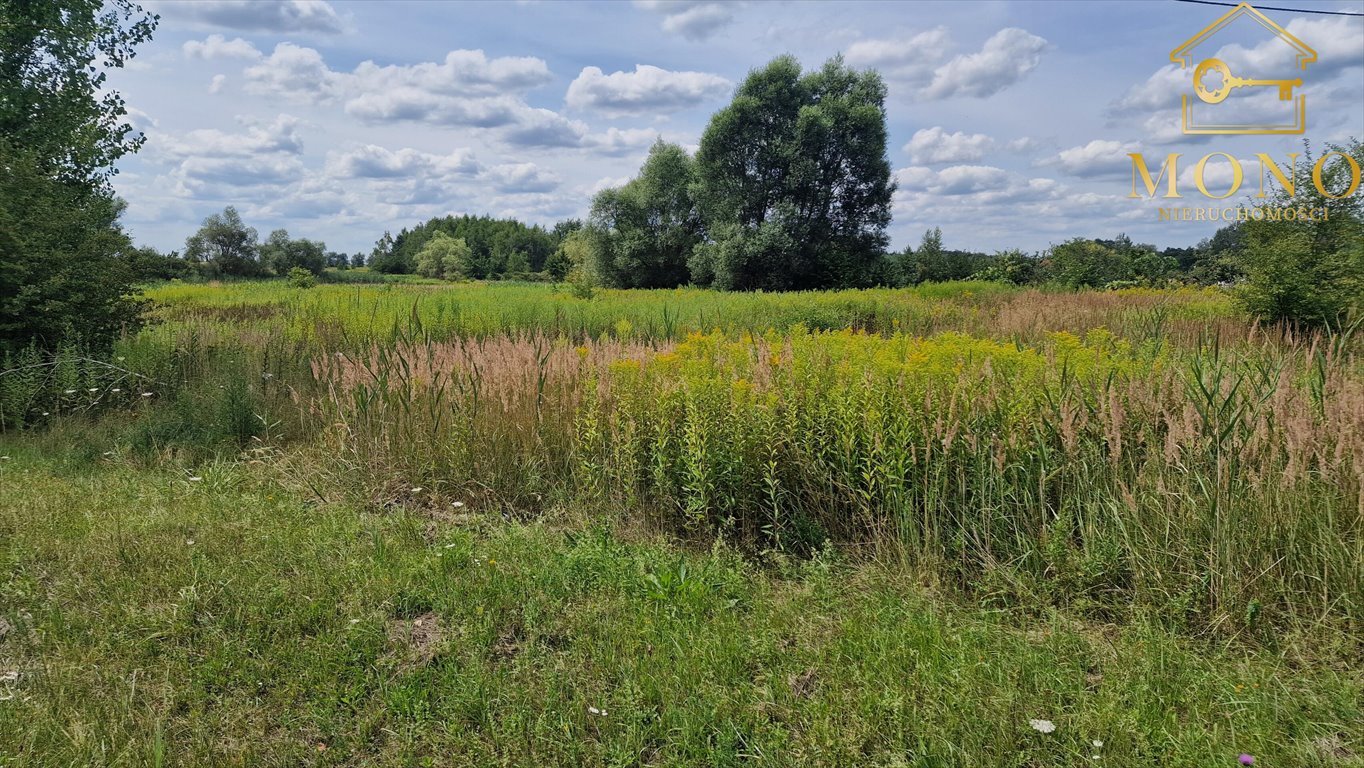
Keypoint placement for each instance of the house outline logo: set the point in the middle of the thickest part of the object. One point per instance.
(1181, 56)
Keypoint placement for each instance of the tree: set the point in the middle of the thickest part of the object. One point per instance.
(444, 256)
(793, 182)
(226, 245)
(61, 279)
(149, 264)
(387, 258)
(1011, 266)
(1082, 263)
(927, 263)
(61, 131)
(644, 232)
(1310, 273)
(281, 254)
(1219, 259)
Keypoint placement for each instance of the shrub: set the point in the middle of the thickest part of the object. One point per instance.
(300, 277)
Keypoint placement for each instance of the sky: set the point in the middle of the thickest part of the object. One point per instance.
(1009, 123)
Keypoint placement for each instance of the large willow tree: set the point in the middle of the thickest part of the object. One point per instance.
(793, 182)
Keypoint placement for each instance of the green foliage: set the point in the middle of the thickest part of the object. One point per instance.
(55, 104)
(385, 258)
(444, 257)
(282, 255)
(61, 130)
(492, 243)
(226, 246)
(147, 264)
(1012, 266)
(1309, 273)
(298, 277)
(931, 263)
(1082, 263)
(793, 182)
(61, 279)
(643, 233)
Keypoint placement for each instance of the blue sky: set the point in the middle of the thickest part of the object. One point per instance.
(1009, 121)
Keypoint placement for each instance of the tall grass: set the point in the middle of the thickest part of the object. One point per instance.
(335, 315)
(1115, 452)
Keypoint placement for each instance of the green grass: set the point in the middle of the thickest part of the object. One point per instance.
(782, 542)
(154, 619)
(336, 315)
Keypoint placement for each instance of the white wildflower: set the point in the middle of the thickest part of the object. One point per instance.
(70, 392)
(115, 390)
(417, 489)
(597, 712)
(196, 479)
(189, 542)
(146, 394)
(1097, 744)
(1042, 726)
(457, 504)
(92, 389)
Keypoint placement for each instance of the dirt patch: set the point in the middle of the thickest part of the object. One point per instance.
(507, 647)
(804, 684)
(418, 639)
(1332, 749)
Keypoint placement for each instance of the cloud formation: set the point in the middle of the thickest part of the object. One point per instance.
(693, 19)
(1005, 59)
(219, 47)
(647, 90)
(260, 15)
(931, 146)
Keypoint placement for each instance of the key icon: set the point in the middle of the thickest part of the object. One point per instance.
(1224, 88)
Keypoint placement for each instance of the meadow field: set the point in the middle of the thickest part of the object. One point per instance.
(962, 524)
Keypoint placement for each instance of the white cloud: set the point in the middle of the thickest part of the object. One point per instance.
(520, 178)
(971, 184)
(932, 146)
(293, 72)
(466, 89)
(279, 136)
(219, 47)
(1007, 57)
(217, 83)
(260, 15)
(621, 141)
(197, 175)
(464, 73)
(647, 90)
(693, 19)
(911, 59)
(1100, 157)
(370, 161)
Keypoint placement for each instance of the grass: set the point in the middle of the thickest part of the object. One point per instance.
(347, 315)
(450, 525)
(161, 620)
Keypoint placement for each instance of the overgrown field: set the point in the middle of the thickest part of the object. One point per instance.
(765, 528)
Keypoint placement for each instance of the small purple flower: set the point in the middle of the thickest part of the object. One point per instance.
(1247, 759)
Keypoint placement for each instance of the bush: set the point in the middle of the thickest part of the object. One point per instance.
(300, 277)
